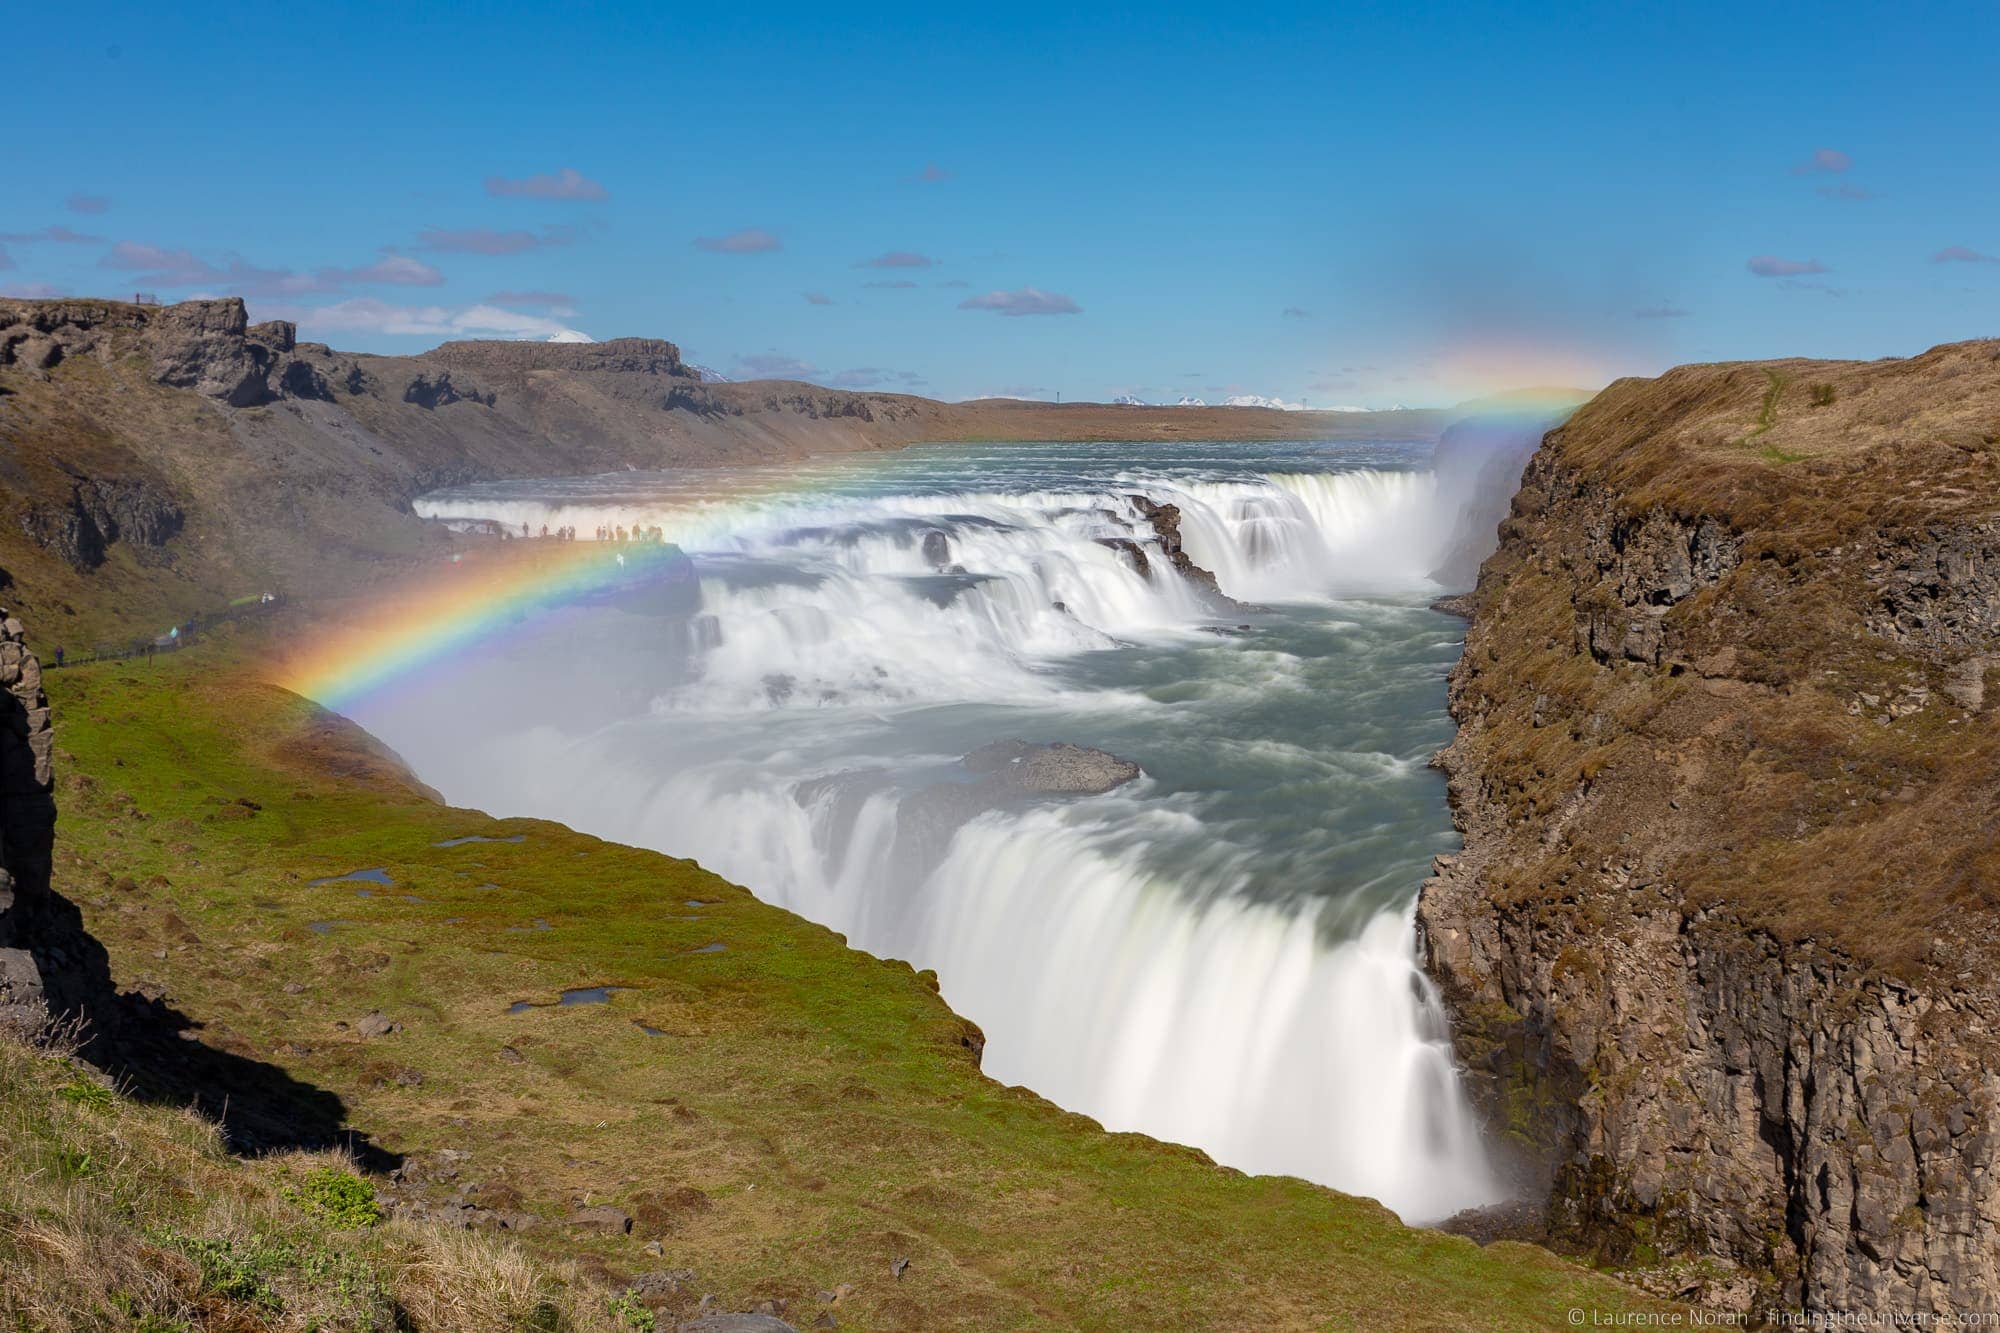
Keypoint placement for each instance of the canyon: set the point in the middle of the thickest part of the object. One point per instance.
(1718, 947)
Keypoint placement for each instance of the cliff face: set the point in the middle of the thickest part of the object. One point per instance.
(27, 828)
(1721, 943)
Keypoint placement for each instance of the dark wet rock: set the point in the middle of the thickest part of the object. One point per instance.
(1166, 521)
(1134, 553)
(937, 549)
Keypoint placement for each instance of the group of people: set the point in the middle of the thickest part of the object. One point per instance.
(606, 532)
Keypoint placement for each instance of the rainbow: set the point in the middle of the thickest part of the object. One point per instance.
(470, 601)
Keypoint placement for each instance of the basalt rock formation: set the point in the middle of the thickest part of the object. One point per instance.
(1721, 945)
(27, 828)
(1166, 521)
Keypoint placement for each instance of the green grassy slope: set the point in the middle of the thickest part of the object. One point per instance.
(784, 1116)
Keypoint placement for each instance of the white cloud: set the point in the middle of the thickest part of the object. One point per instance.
(366, 314)
(397, 270)
(1027, 301)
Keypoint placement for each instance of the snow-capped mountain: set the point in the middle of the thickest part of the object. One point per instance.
(1130, 400)
(1189, 400)
(1258, 400)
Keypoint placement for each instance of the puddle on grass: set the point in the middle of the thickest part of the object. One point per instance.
(693, 902)
(364, 893)
(651, 1032)
(570, 999)
(372, 875)
(484, 888)
(537, 924)
(325, 927)
(709, 948)
(478, 837)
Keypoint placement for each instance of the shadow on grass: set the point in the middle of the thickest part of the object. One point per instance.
(156, 1053)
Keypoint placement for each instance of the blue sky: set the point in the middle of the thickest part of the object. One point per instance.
(1341, 203)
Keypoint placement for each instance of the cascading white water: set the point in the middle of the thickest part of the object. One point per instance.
(1220, 954)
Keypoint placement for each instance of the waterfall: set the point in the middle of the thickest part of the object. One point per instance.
(1231, 970)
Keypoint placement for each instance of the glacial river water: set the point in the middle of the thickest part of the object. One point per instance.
(1220, 953)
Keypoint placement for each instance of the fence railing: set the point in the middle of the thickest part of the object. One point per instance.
(175, 638)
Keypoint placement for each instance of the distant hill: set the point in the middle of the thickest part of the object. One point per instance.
(157, 459)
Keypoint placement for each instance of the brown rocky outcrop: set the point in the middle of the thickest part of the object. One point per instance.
(27, 828)
(1166, 522)
(1720, 948)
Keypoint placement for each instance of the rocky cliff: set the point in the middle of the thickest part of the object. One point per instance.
(1721, 942)
(27, 828)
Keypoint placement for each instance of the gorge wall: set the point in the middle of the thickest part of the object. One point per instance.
(1721, 943)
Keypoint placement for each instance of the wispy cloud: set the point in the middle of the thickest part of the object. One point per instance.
(890, 283)
(774, 366)
(556, 303)
(1823, 160)
(86, 203)
(487, 241)
(365, 314)
(897, 259)
(163, 267)
(1772, 266)
(568, 183)
(32, 291)
(817, 298)
(933, 174)
(960, 283)
(1661, 311)
(58, 233)
(1961, 254)
(396, 270)
(1027, 301)
(1294, 312)
(748, 241)
(1846, 190)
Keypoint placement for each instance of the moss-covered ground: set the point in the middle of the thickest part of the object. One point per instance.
(787, 1117)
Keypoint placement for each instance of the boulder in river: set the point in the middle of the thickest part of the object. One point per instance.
(1060, 769)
